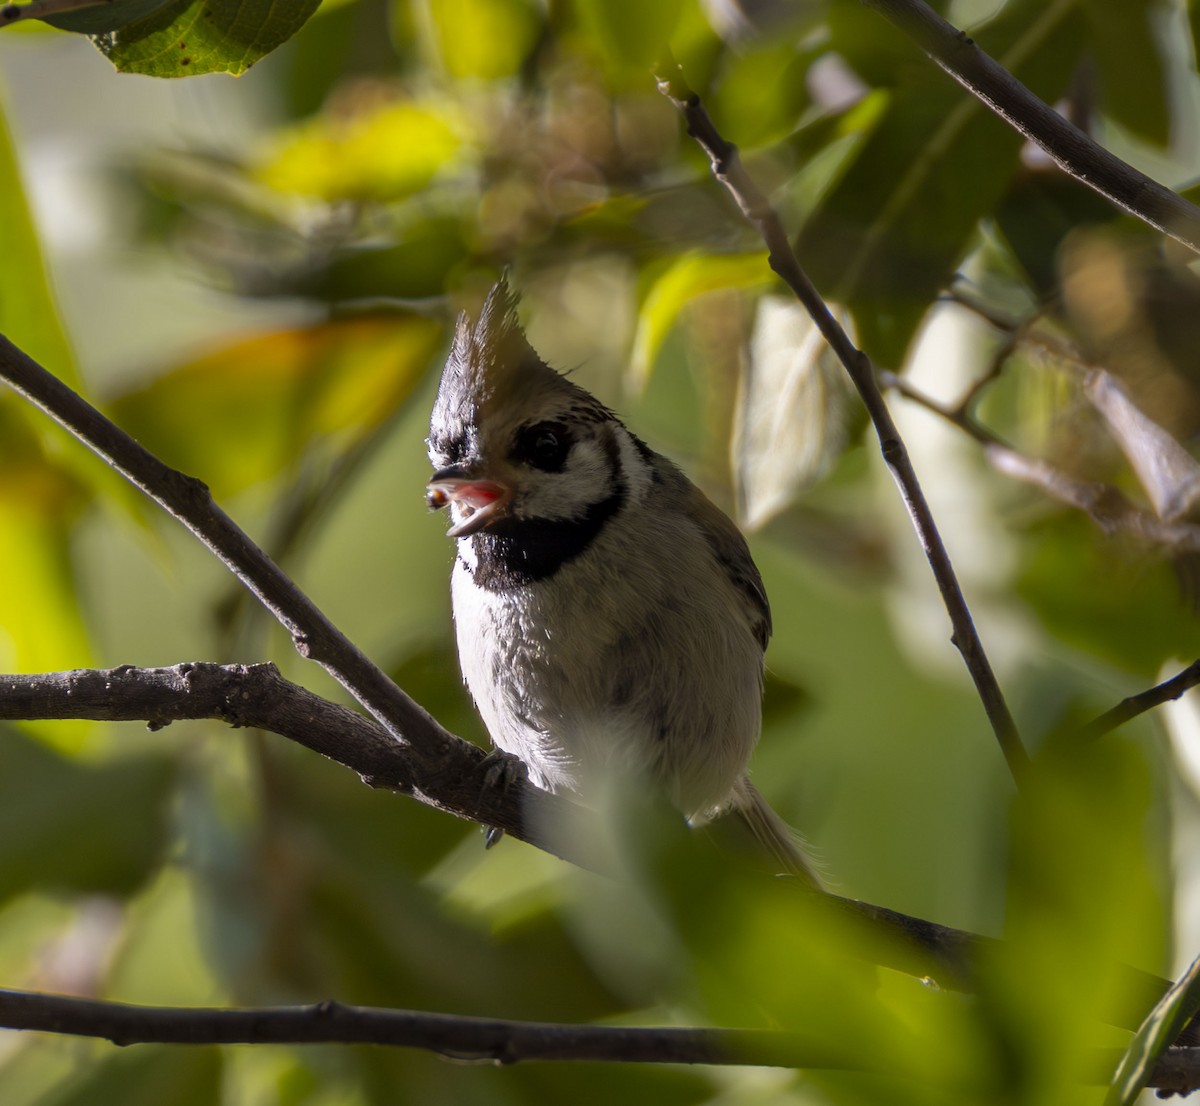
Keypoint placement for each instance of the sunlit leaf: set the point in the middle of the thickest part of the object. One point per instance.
(378, 153)
(1162, 1025)
(682, 281)
(41, 625)
(483, 38)
(188, 37)
(28, 315)
(241, 414)
(72, 827)
(790, 421)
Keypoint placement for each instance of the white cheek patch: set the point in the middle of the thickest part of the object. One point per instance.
(587, 479)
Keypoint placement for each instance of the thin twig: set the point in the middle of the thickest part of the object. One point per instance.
(1144, 701)
(728, 169)
(1074, 151)
(1107, 507)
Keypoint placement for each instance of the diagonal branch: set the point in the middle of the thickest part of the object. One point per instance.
(727, 167)
(437, 761)
(1073, 150)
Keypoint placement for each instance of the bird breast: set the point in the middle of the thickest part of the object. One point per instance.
(636, 659)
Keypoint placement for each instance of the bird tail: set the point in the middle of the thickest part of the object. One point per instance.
(782, 842)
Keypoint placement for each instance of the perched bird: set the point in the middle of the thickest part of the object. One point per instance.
(610, 620)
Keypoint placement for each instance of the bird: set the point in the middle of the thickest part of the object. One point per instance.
(610, 620)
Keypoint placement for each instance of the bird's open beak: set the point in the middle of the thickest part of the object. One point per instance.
(482, 501)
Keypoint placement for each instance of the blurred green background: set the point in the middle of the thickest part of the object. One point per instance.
(257, 277)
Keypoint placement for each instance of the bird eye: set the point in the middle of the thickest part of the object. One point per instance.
(544, 445)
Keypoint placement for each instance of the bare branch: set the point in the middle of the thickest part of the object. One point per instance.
(438, 762)
(1108, 508)
(1074, 151)
(257, 695)
(1144, 701)
(727, 167)
(500, 1041)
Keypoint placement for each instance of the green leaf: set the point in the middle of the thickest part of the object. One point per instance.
(1104, 600)
(683, 280)
(791, 416)
(891, 230)
(149, 1076)
(1084, 900)
(380, 154)
(190, 37)
(28, 315)
(1132, 77)
(1162, 1025)
(631, 34)
(81, 828)
(107, 16)
(483, 38)
(243, 413)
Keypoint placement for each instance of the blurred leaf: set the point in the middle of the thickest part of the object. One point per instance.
(791, 415)
(483, 38)
(242, 414)
(188, 37)
(40, 620)
(1099, 598)
(1084, 898)
(379, 152)
(763, 91)
(106, 15)
(1037, 214)
(1168, 474)
(1162, 1025)
(147, 1076)
(891, 230)
(630, 34)
(28, 314)
(1133, 82)
(416, 267)
(77, 827)
(681, 281)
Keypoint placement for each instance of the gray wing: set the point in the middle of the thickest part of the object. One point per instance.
(731, 551)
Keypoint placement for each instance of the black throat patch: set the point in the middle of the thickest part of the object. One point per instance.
(513, 552)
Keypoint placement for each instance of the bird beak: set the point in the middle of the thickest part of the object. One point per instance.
(482, 501)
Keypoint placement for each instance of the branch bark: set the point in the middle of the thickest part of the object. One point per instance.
(499, 1040)
(437, 766)
(256, 695)
(1074, 151)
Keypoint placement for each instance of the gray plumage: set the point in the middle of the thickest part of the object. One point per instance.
(610, 620)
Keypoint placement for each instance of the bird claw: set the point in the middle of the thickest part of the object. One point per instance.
(500, 771)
